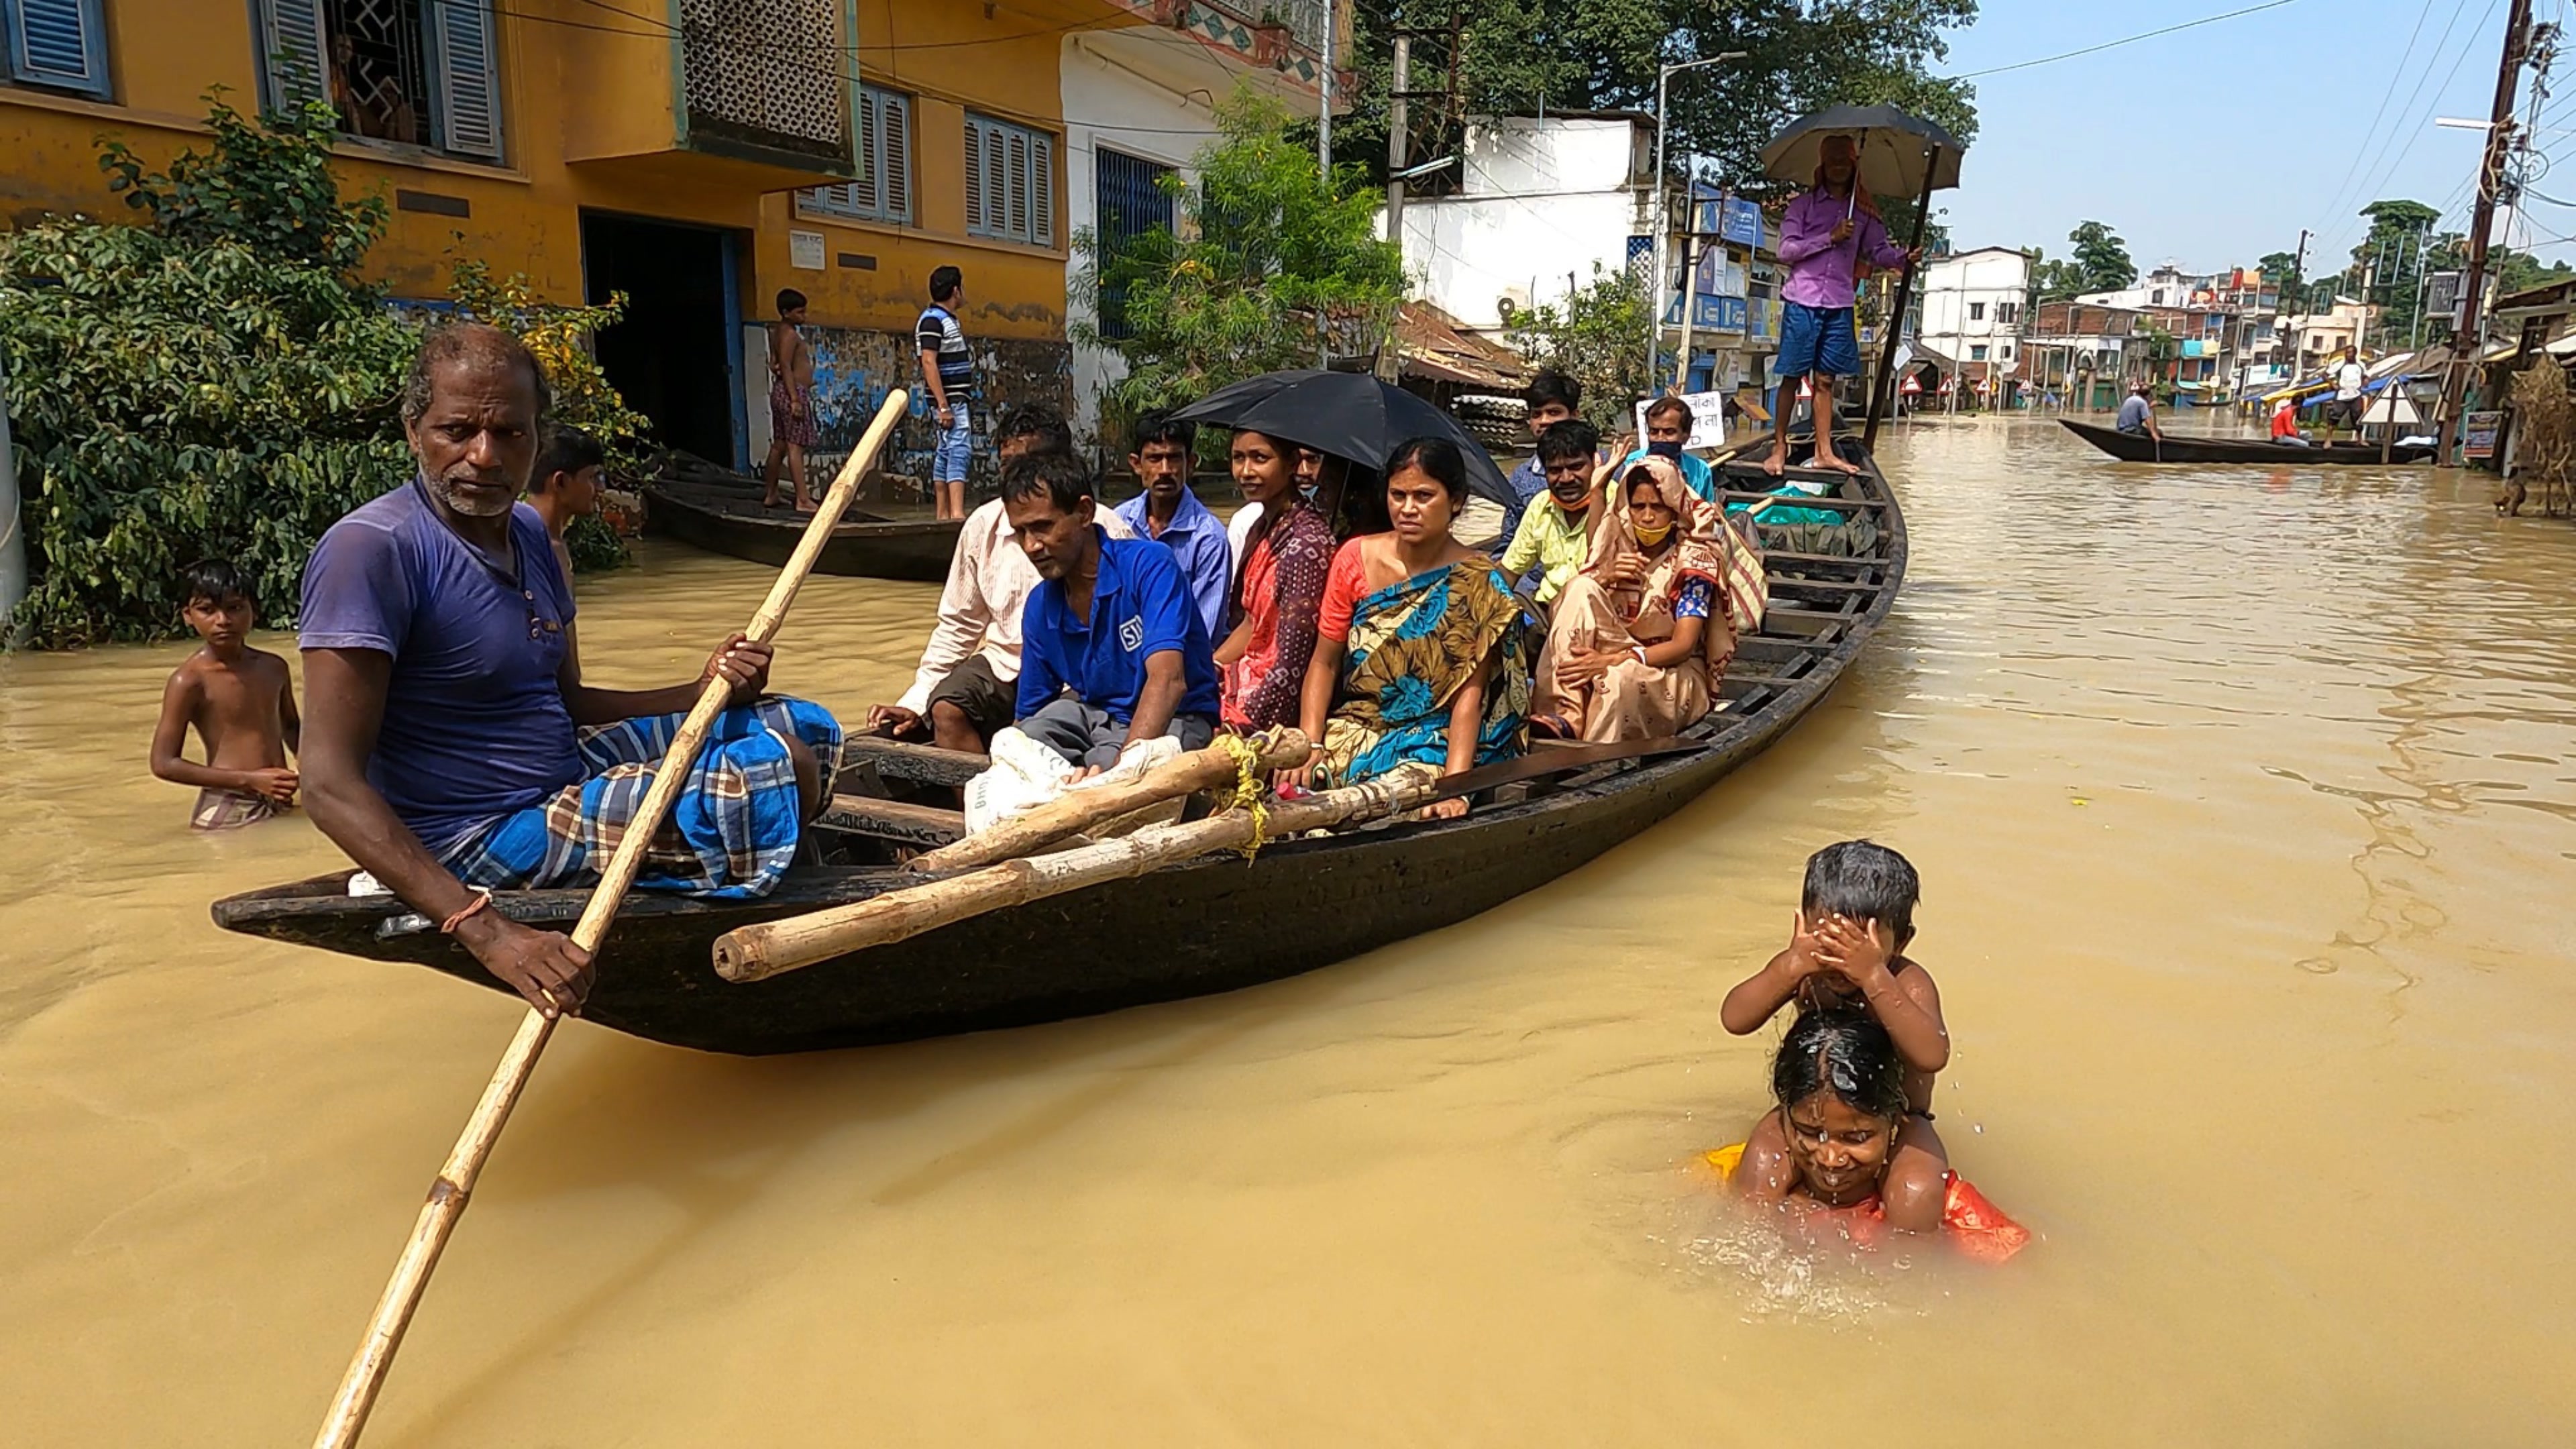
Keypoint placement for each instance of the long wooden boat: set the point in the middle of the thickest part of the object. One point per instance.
(727, 518)
(2139, 448)
(1203, 926)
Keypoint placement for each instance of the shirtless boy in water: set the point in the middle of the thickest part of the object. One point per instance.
(240, 701)
(1855, 918)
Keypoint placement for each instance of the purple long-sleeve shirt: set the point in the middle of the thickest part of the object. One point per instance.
(1820, 268)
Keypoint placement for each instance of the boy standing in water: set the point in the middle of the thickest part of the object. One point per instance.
(1822, 239)
(791, 402)
(1855, 918)
(240, 701)
(564, 485)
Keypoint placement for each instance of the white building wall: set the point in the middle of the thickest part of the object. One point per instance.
(1467, 256)
(1140, 93)
(1965, 298)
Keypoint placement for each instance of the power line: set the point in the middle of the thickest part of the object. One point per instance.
(2415, 132)
(2404, 53)
(2125, 40)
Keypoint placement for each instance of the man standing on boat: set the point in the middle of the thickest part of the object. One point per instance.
(965, 690)
(2138, 414)
(444, 697)
(2348, 377)
(1822, 239)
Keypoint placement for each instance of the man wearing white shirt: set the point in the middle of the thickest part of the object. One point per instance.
(966, 689)
(2348, 376)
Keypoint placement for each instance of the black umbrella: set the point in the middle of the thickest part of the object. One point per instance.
(1347, 414)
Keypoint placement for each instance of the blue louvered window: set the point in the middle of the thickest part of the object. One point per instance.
(56, 43)
(883, 190)
(418, 72)
(1129, 201)
(1010, 182)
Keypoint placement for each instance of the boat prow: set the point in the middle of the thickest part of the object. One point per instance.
(2171, 448)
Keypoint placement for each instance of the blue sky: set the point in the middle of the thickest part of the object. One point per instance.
(2217, 144)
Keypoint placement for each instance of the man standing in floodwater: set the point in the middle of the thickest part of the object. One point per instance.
(1822, 239)
(444, 695)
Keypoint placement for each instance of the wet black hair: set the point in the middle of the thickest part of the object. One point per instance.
(1035, 420)
(1439, 460)
(214, 580)
(1865, 881)
(789, 299)
(562, 449)
(1569, 439)
(944, 282)
(1060, 477)
(1846, 1053)
(1161, 427)
(1552, 386)
(1663, 405)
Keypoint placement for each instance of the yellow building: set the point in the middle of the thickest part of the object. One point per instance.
(697, 155)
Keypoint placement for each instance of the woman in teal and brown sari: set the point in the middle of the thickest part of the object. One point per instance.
(1422, 652)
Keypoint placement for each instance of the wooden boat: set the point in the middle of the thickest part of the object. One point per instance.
(710, 509)
(2139, 448)
(1207, 925)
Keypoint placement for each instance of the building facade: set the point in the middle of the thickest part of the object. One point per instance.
(1973, 314)
(2084, 354)
(1543, 205)
(697, 156)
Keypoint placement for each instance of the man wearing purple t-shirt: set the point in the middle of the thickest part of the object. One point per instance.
(1828, 229)
(443, 693)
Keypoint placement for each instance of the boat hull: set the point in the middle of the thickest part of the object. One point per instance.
(2139, 448)
(711, 519)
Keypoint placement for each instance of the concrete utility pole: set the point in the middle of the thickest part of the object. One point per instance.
(1397, 139)
(2472, 331)
(1324, 115)
(1663, 216)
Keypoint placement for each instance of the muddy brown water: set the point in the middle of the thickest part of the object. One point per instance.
(2246, 804)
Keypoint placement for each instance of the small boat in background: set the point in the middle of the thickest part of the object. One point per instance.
(2139, 448)
(720, 511)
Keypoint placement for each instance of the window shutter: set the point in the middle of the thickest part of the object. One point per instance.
(894, 118)
(60, 43)
(997, 182)
(974, 178)
(1042, 190)
(292, 47)
(462, 49)
(864, 191)
(1017, 148)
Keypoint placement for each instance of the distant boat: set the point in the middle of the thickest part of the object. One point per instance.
(2139, 448)
(720, 511)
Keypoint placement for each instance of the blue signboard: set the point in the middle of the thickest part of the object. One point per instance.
(1740, 222)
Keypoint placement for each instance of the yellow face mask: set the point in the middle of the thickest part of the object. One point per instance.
(1650, 537)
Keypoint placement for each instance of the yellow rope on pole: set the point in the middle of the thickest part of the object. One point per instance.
(1249, 791)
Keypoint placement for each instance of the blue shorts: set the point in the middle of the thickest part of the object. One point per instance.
(1816, 340)
(955, 447)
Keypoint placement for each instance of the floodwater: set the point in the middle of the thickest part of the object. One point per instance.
(2245, 802)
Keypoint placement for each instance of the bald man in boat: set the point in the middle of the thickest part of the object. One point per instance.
(445, 703)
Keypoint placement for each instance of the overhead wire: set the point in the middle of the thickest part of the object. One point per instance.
(2123, 40)
(2404, 53)
(2343, 227)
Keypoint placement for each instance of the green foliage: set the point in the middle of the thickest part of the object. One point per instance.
(2101, 258)
(217, 382)
(1516, 56)
(1274, 266)
(1594, 339)
(2281, 269)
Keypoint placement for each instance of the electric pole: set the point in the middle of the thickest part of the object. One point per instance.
(1324, 116)
(2471, 333)
(1396, 139)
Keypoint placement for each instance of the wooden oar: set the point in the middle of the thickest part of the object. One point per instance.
(757, 952)
(455, 1183)
(1076, 811)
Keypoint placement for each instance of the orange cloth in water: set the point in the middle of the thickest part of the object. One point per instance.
(1973, 1224)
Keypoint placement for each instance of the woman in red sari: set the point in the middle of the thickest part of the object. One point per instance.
(1262, 664)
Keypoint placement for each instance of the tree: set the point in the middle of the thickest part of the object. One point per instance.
(1519, 56)
(1593, 339)
(2388, 264)
(1273, 267)
(2052, 280)
(2281, 269)
(2101, 258)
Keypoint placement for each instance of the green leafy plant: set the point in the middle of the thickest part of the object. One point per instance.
(1272, 267)
(1595, 339)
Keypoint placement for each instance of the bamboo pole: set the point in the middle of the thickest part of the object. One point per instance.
(1076, 811)
(455, 1183)
(772, 948)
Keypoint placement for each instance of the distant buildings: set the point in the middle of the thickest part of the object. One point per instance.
(1973, 304)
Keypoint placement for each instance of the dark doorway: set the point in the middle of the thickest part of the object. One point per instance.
(675, 356)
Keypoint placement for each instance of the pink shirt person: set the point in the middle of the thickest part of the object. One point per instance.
(1820, 268)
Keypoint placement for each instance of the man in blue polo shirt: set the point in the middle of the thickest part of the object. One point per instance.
(1112, 649)
(1169, 513)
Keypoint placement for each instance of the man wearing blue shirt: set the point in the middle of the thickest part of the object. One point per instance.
(1668, 428)
(1167, 511)
(1112, 650)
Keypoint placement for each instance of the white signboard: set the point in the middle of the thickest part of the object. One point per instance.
(1708, 420)
(805, 250)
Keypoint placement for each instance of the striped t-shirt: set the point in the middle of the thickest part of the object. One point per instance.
(938, 332)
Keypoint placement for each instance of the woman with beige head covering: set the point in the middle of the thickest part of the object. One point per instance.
(1642, 633)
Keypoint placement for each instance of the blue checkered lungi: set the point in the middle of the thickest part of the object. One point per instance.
(730, 835)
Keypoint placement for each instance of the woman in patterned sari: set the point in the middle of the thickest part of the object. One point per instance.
(1261, 664)
(1422, 655)
(1642, 633)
